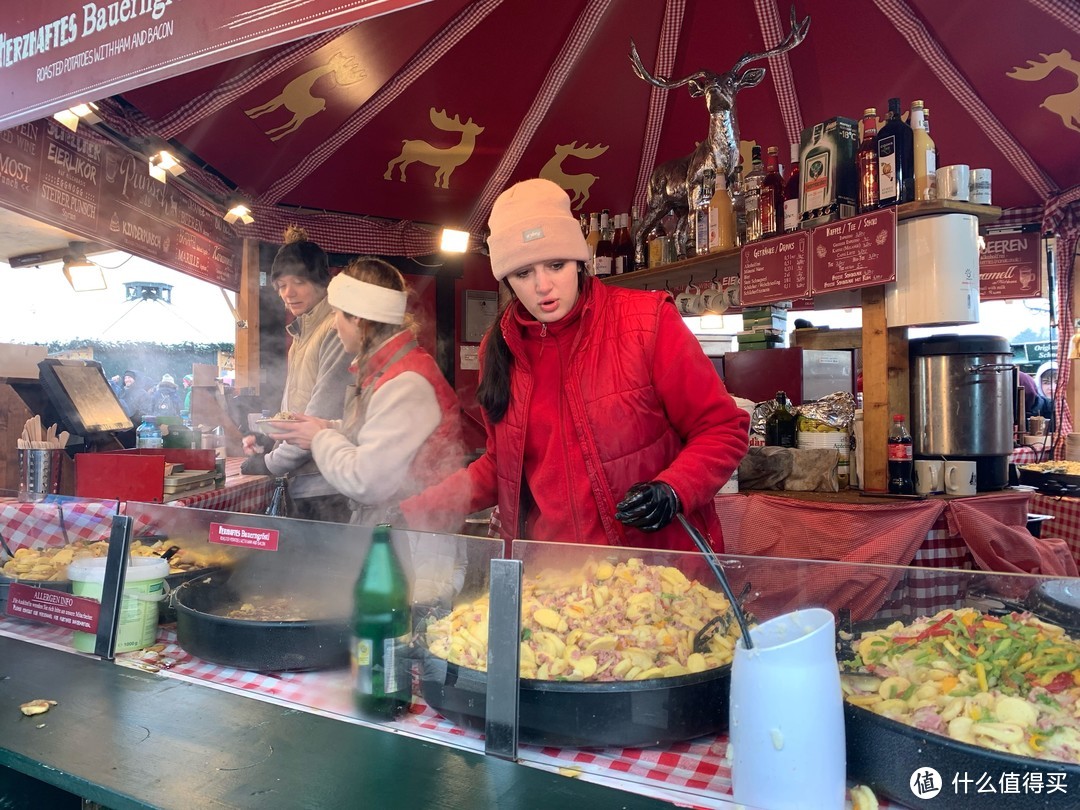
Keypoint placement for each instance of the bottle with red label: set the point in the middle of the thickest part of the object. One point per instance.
(900, 460)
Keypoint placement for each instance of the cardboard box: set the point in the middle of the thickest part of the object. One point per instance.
(828, 174)
(20, 361)
(133, 475)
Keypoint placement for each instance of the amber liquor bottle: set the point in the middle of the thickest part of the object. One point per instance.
(771, 197)
(867, 163)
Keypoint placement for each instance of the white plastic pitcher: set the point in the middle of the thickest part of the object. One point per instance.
(144, 588)
(787, 715)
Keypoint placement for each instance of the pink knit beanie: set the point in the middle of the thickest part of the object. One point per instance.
(531, 222)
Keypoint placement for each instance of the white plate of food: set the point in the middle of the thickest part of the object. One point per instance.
(276, 425)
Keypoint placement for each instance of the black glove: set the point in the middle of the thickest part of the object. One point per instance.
(649, 506)
(255, 465)
(262, 441)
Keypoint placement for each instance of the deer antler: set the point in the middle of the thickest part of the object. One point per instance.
(1038, 70)
(794, 37)
(657, 81)
(585, 151)
(442, 121)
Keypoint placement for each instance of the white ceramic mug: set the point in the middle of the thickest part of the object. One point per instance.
(689, 301)
(954, 182)
(787, 715)
(713, 300)
(980, 186)
(929, 475)
(960, 477)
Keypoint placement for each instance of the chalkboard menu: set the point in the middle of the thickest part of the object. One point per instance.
(104, 193)
(856, 252)
(775, 269)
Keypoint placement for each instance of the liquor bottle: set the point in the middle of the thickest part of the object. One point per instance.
(751, 195)
(900, 462)
(791, 193)
(738, 202)
(382, 684)
(148, 434)
(641, 255)
(771, 196)
(896, 163)
(866, 160)
(624, 245)
(593, 237)
(816, 192)
(604, 263)
(281, 502)
(780, 424)
(721, 217)
(925, 154)
(656, 241)
(583, 220)
(699, 213)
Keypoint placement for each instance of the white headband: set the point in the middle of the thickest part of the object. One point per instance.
(364, 300)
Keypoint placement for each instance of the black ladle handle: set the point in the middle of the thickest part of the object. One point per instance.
(6, 547)
(718, 570)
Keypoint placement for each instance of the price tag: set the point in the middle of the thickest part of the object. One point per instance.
(776, 269)
(856, 252)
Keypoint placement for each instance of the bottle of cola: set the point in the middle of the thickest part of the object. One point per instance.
(900, 461)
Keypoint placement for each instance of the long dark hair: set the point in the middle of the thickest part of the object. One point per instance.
(493, 392)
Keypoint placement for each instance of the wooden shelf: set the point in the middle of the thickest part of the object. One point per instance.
(726, 262)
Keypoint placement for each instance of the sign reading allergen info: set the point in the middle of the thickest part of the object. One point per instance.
(54, 607)
(775, 269)
(856, 252)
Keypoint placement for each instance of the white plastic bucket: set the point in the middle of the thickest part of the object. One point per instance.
(144, 588)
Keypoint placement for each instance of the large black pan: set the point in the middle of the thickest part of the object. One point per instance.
(260, 646)
(886, 754)
(625, 714)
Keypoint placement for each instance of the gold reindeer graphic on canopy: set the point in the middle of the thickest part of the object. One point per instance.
(577, 185)
(298, 98)
(1065, 105)
(445, 160)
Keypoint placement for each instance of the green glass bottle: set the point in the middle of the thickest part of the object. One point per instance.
(381, 680)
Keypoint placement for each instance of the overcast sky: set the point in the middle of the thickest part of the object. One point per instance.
(40, 306)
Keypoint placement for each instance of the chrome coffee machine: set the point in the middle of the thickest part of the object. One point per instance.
(963, 398)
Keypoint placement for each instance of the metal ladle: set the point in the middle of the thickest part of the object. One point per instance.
(6, 547)
(718, 570)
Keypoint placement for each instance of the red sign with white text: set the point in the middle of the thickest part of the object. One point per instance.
(244, 536)
(56, 53)
(856, 252)
(776, 269)
(53, 607)
(1011, 266)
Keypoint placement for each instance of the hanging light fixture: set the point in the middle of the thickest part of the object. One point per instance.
(454, 241)
(162, 164)
(82, 274)
(71, 117)
(238, 212)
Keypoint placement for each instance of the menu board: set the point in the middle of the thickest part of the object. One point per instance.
(856, 252)
(1010, 266)
(776, 269)
(104, 193)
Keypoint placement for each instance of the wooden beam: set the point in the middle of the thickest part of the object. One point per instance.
(875, 390)
(247, 328)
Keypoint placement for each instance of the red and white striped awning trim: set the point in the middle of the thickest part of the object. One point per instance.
(1067, 13)
(344, 233)
(426, 58)
(666, 50)
(556, 77)
(772, 33)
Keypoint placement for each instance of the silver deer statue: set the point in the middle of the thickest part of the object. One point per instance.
(670, 181)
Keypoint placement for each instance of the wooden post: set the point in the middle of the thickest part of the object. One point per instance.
(247, 307)
(886, 387)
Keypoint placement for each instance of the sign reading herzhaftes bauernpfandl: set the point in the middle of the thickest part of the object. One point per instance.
(105, 194)
(57, 53)
(1010, 266)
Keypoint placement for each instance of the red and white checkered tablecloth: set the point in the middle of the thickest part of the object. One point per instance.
(241, 493)
(55, 522)
(1029, 454)
(1066, 522)
(695, 774)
